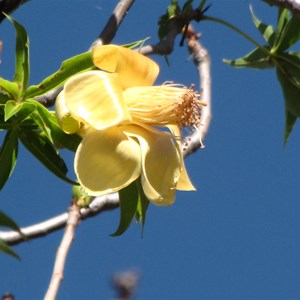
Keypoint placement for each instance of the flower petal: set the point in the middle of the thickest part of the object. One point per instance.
(133, 68)
(95, 97)
(184, 183)
(107, 161)
(161, 165)
(66, 121)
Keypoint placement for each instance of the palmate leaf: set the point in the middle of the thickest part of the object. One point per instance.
(257, 59)
(71, 66)
(290, 34)
(266, 31)
(21, 77)
(288, 74)
(129, 198)
(40, 146)
(8, 155)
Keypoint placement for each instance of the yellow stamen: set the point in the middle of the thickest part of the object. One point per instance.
(164, 105)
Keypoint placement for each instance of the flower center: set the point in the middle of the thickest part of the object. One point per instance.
(168, 104)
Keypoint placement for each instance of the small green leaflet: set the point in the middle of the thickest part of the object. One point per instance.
(21, 77)
(129, 197)
(69, 67)
(40, 146)
(6, 249)
(8, 155)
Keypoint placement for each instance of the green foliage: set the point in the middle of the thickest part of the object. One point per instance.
(81, 197)
(27, 120)
(173, 11)
(274, 55)
(6, 221)
(133, 203)
(8, 156)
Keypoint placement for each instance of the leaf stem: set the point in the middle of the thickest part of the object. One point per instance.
(234, 28)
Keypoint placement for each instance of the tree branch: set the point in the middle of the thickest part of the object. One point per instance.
(100, 204)
(202, 61)
(292, 5)
(111, 27)
(62, 252)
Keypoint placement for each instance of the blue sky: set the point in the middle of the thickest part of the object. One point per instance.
(237, 237)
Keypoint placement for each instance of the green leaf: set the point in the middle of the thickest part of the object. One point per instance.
(52, 129)
(187, 6)
(22, 57)
(11, 108)
(142, 206)
(256, 59)
(163, 24)
(6, 249)
(71, 66)
(26, 110)
(290, 121)
(290, 34)
(43, 150)
(129, 197)
(23, 110)
(173, 9)
(8, 156)
(201, 5)
(266, 31)
(10, 88)
(283, 17)
(6, 221)
(4, 97)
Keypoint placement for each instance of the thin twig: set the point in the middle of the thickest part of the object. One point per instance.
(100, 204)
(62, 252)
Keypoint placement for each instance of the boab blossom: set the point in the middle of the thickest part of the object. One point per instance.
(119, 115)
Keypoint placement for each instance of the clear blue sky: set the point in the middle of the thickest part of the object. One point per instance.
(237, 237)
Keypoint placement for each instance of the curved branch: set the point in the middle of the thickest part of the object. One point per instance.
(111, 27)
(99, 205)
(202, 61)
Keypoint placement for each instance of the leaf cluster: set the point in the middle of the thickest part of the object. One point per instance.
(276, 54)
(25, 120)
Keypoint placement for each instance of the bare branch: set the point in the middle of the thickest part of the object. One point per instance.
(99, 205)
(62, 252)
(111, 27)
(202, 62)
(292, 5)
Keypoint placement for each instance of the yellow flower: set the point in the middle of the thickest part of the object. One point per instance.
(120, 113)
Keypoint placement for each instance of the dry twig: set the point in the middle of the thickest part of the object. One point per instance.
(62, 252)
